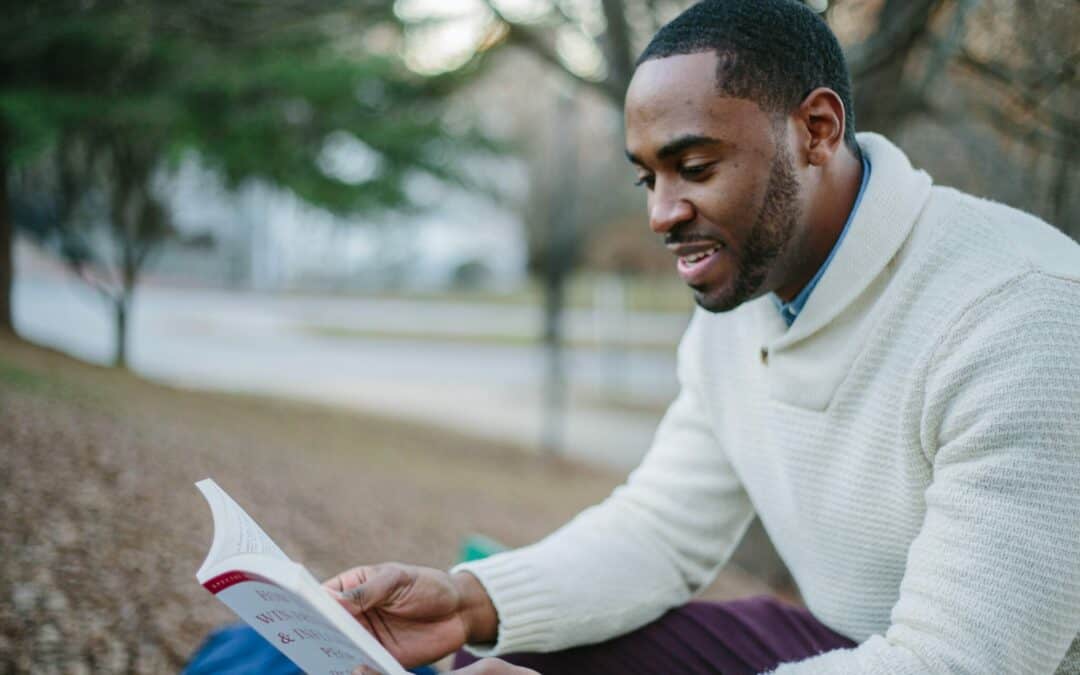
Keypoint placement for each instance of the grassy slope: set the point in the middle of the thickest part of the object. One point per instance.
(102, 529)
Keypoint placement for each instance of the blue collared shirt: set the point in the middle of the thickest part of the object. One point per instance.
(790, 310)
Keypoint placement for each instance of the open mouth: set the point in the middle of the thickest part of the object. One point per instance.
(698, 257)
(694, 267)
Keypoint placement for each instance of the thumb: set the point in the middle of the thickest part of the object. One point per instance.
(377, 590)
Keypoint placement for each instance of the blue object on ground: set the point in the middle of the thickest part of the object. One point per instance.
(239, 650)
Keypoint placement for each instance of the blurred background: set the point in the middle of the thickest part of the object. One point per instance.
(380, 269)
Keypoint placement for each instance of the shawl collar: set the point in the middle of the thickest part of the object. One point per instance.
(893, 200)
(809, 360)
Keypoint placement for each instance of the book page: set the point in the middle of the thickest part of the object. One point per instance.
(288, 608)
(235, 532)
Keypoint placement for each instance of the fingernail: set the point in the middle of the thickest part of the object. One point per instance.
(353, 594)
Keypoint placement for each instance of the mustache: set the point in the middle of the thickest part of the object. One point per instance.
(680, 235)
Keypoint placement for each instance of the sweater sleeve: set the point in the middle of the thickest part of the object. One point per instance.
(992, 581)
(648, 547)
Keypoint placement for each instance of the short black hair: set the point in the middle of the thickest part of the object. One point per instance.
(772, 52)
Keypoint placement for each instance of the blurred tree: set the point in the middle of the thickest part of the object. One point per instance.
(259, 91)
(558, 264)
(96, 208)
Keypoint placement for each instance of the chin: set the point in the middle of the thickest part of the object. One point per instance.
(727, 296)
(717, 301)
(747, 283)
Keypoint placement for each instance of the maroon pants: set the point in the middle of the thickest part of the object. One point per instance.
(750, 635)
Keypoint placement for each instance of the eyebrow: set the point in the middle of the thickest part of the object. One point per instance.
(678, 145)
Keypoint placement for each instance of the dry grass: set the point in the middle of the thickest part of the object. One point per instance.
(102, 529)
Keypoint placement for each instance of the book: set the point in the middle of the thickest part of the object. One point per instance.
(280, 599)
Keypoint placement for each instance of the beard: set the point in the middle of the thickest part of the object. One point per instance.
(768, 239)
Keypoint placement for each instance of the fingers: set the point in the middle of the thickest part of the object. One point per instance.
(378, 590)
(347, 579)
(364, 588)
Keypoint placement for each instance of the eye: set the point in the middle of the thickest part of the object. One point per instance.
(646, 180)
(694, 171)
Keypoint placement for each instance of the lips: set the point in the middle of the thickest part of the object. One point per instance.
(692, 258)
(696, 261)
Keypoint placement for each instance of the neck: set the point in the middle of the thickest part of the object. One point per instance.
(834, 195)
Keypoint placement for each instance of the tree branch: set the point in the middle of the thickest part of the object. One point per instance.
(998, 72)
(529, 38)
(945, 49)
(894, 36)
(1058, 145)
(1030, 99)
(82, 270)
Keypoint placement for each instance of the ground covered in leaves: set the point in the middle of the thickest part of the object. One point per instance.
(101, 529)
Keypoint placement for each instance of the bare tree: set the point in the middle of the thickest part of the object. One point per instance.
(95, 205)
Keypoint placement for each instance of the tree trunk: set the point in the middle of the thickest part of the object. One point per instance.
(7, 258)
(620, 50)
(555, 384)
(130, 265)
(120, 320)
(559, 262)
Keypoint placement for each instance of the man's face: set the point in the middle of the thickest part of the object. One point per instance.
(721, 184)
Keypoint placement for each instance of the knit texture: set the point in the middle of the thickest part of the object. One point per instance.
(911, 444)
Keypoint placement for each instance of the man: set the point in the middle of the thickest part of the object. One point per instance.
(886, 372)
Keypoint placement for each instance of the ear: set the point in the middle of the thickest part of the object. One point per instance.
(822, 120)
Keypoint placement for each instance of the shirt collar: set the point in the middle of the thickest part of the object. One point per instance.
(790, 310)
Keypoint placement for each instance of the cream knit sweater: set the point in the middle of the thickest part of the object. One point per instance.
(911, 443)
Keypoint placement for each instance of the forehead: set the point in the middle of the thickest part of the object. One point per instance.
(677, 96)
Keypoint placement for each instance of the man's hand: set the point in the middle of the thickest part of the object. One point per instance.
(419, 614)
(484, 667)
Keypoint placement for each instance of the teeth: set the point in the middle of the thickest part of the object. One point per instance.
(698, 257)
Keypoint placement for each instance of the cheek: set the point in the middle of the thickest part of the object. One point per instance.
(734, 195)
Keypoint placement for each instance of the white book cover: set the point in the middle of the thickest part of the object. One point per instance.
(280, 599)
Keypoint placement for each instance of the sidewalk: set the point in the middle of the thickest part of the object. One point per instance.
(398, 358)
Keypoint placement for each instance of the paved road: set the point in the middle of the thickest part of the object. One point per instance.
(280, 345)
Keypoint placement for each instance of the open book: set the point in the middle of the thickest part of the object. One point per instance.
(247, 571)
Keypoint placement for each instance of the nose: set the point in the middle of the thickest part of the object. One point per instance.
(668, 210)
